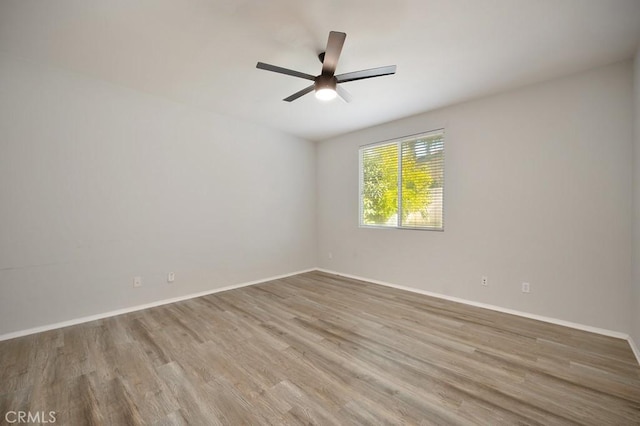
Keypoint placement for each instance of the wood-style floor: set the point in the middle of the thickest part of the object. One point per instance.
(320, 349)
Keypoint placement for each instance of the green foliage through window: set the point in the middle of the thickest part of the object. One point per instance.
(402, 182)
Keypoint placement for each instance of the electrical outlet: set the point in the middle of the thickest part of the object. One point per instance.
(137, 281)
(171, 277)
(485, 281)
(525, 288)
(330, 255)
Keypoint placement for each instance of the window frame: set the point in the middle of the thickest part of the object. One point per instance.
(398, 142)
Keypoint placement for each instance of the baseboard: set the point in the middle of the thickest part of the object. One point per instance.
(551, 320)
(634, 348)
(108, 314)
(20, 333)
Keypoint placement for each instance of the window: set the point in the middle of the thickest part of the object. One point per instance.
(402, 182)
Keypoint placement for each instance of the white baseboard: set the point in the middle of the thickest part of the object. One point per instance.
(634, 348)
(108, 314)
(570, 324)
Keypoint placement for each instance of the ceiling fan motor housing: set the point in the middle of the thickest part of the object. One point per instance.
(326, 82)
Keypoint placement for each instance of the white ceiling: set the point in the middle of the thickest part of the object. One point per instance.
(203, 52)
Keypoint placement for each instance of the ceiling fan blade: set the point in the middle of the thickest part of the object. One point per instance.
(300, 93)
(343, 93)
(280, 70)
(370, 73)
(332, 53)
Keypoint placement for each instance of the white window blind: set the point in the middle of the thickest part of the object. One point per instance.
(402, 182)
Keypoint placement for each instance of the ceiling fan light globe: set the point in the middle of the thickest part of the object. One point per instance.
(325, 94)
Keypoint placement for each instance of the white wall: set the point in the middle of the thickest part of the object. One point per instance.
(537, 189)
(636, 205)
(99, 183)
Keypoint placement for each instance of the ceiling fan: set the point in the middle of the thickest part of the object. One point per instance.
(326, 85)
